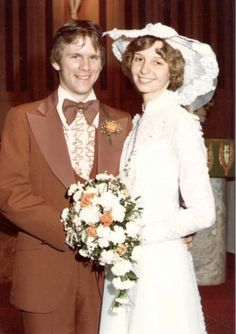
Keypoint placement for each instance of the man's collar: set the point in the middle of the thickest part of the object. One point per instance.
(64, 94)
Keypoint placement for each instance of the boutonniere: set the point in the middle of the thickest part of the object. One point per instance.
(111, 128)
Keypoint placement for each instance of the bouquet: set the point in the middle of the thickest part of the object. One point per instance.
(102, 223)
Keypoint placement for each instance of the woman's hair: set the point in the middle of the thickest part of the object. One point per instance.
(72, 30)
(172, 56)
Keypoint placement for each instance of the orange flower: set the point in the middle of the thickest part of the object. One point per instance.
(111, 127)
(106, 218)
(91, 231)
(121, 249)
(86, 199)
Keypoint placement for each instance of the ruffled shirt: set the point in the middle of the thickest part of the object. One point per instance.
(79, 135)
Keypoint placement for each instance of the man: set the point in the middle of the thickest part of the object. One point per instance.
(44, 150)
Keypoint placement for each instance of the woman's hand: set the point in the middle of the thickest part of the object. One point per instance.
(188, 240)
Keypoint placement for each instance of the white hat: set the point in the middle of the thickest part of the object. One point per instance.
(201, 68)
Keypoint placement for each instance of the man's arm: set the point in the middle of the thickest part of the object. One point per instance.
(18, 203)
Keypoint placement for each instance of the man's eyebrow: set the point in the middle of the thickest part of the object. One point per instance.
(80, 54)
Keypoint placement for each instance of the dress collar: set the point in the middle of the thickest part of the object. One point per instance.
(166, 98)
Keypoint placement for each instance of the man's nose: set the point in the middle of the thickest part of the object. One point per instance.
(84, 64)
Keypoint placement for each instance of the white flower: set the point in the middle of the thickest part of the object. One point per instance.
(91, 244)
(118, 212)
(86, 239)
(65, 213)
(77, 221)
(118, 235)
(101, 188)
(121, 267)
(71, 237)
(83, 252)
(132, 229)
(108, 200)
(89, 214)
(77, 195)
(91, 190)
(72, 189)
(107, 257)
(103, 232)
(104, 177)
(103, 242)
(77, 207)
(122, 285)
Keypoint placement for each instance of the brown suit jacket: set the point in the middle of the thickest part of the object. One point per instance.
(35, 172)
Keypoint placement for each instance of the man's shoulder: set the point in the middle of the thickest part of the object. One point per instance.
(33, 105)
(114, 111)
(27, 106)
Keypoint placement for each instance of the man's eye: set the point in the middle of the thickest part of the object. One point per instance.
(94, 57)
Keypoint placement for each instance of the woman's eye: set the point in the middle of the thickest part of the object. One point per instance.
(138, 59)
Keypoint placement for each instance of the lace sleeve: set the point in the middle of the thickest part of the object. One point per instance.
(194, 185)
(193, 179)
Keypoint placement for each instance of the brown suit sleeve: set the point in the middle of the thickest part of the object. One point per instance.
(30, 212)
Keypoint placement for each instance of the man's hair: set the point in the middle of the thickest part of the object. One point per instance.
(172, 56)
(72, 30)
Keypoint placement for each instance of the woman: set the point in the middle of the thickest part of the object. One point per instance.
(164, 159)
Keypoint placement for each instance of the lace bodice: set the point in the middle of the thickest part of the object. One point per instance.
(165, 157)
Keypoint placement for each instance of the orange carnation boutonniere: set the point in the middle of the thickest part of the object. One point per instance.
(111, 128)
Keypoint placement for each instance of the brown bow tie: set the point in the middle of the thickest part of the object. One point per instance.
(89, 109)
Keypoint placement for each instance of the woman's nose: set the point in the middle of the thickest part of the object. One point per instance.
(145, 67)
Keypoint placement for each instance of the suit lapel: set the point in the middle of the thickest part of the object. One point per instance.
(48, 132)
(109, 151)
(102, 145)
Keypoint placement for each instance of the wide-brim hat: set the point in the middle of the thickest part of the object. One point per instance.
(201, 68)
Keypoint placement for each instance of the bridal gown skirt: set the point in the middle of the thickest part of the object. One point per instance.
(165, 299)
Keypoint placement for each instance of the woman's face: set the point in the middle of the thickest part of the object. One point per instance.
(150, 72)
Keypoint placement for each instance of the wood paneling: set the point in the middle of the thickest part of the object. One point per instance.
(9, 64)
(27, 28)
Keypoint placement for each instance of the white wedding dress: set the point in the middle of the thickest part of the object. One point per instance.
(168, 156)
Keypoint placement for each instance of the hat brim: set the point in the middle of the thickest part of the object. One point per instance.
(201, 68)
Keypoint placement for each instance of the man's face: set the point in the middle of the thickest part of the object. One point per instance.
(79, 68)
